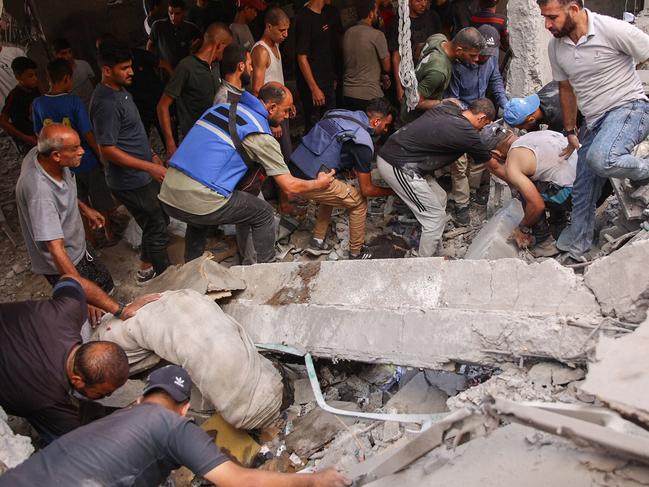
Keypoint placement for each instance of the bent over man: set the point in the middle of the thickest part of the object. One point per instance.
(202, 184)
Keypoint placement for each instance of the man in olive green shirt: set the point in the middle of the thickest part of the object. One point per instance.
(435, 65)
(200, 205)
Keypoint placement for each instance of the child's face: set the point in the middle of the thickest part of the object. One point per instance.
(28, 78)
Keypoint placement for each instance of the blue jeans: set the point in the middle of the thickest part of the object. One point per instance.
(605, 152)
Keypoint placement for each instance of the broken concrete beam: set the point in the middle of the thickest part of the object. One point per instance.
(493, 240)
(14, 449)
(467, 311)
(619, 374)
(418, 396)
(620, 281)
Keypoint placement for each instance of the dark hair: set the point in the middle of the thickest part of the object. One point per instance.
(380, 106)
(21, 64)
(178, 4)
(59, 44)
(58, 69)
(469, 38)
(487, 3)
(233, 54)
(364, 7)
(272, 92)
(112, 52)
(275, 15)
(563, 3)
(483, 105)
(101, 362)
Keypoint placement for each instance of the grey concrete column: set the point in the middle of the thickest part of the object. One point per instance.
(530, 66)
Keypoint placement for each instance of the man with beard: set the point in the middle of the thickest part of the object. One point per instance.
(593, 58)
(201, 187)
(133, 172)
(193, 85)
(236, 69)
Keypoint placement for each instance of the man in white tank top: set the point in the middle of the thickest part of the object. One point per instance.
(544, 180)
(267, 65)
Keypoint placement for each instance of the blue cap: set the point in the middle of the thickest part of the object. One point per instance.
(518, 109)
(172, 379)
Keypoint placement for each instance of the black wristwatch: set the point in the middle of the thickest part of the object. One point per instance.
(118, 314)
(572, 131)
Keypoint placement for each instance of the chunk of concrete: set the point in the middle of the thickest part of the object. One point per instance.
(550, 374)
(493, 240)
(14, 449)
(467, 311)
(417, 396)
(619, 374)
(620, 282)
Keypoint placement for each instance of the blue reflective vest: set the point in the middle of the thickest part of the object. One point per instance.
(207, 153)
(322, 145)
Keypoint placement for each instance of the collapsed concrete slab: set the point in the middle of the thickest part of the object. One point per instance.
(620, 282)
(619, 374)
(494, 239)
(418, 312)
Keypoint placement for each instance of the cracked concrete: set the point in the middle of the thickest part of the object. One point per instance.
(421, 312)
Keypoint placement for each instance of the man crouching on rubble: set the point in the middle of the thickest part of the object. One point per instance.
(141, 445)
(544, 180)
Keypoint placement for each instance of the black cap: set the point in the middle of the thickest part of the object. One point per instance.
(172, 379)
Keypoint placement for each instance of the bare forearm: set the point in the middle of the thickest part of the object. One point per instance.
(117, 156)
(13, 131)
(532, 214)
(305, 68)
(164, 118)
(568, 102)
(294, 185)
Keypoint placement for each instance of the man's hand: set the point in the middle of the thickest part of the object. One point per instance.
(330, 478)
(325, 178)
(157, 172)
(386, 81)
(95, 219)
(573, 143)
(171, 147)
(400, 92)
(132, 308)
(318, 97)
(522, 239)
(94, 315)
(277, 131)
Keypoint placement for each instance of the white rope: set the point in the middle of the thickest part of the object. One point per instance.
(407, 65)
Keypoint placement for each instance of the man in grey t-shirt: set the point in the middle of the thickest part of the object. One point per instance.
(593, 58)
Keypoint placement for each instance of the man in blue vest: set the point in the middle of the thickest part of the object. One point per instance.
(200, 187)
(342, 140)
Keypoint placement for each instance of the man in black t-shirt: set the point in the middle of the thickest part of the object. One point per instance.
(318, 30)
(423, 24)
(173, 38)
(42, 361)
(411, 155)
(141, 445)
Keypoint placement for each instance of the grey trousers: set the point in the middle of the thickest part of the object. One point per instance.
(425, 198)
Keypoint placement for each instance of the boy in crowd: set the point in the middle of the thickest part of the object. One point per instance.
(60, 106)
(16, 115)
(83, 77)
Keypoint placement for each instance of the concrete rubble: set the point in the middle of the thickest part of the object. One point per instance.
(14, 449)
(464, 311)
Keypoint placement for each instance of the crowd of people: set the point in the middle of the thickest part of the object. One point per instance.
(216, 94)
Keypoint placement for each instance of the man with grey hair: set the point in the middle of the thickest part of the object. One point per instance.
(50, 219)
(206, 184)
(593, 58)
(435, 66)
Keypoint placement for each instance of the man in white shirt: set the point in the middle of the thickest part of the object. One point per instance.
(593, 58)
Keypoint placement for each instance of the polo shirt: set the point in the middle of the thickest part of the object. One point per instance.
(117, 122)
(47, 210)
(36, 338)
(601, 65)
(173, 43)
(193, 86)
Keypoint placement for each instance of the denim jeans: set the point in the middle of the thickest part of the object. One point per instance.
(242, 209)
(143, 204)
(605, 152)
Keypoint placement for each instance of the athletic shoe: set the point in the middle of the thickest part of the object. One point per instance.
(317, 248)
